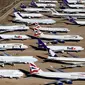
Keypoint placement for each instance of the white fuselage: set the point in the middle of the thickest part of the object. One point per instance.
(13, 28)
(45, 4)
(48, 1)
(48, 29)
(76, 5)
(17, 59)
(74, 10)
(70, 59)
(79, 15)
(62, 75)
(36, 9)
(31, 15)
(61, 37)
(80, 22)
(66, 48)
(10, 46)
(76, 1)
(32, 21)
(5, 73)
(10, 36)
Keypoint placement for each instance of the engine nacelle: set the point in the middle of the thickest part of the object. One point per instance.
(68, 82)
(53, 32)
(59, 83)
(61, 41)
(55, 41)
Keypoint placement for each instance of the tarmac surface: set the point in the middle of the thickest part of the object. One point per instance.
(29, 80)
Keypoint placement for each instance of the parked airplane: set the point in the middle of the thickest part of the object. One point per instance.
(73, 5)
(12, 60)
(48, 1)
(9, 73)
(14, 37)
(44, 5)
(76, 21)
(78, 15)
(60, 48)
(29, 15)
(73, 10)
(24, 8)
(76, 1)
(69, 60)
(18, 18)
(13, 46)
(6, 28)
(61, 77)
(49, 29)
(58, 38)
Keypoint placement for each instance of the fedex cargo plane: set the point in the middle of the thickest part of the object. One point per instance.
(44, 5)
(60, 48)
(19, 18)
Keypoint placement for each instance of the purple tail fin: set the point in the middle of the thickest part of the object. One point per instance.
(22, 5)
(65, 2)
(15, 10)
(19, 14)
(72, 20)
(51, 53)
(33, 4)
(41, 44)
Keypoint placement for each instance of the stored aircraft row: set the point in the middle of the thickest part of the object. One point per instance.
(12, 46)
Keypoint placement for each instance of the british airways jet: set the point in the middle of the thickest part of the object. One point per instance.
(39, 34)
(50, 29)
(61, 77)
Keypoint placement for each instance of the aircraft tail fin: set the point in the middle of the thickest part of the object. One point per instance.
(33, 3)
(71, 19)
(17, 14)
(37, 32)
(65, 2)
(37, 25)
(34, 69)
(41, 44)
(51, 53)
(54, 11)
(22, 5)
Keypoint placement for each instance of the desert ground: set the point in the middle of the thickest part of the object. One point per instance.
(5, 19)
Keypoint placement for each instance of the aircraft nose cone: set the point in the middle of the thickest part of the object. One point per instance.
(81, 38)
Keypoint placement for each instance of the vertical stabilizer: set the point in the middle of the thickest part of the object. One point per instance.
(34, 69)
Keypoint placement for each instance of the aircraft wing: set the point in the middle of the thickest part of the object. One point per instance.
(60, 81)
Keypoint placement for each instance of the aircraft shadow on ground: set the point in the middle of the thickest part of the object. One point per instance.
(36, 48)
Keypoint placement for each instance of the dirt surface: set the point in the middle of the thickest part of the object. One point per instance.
(74, 29)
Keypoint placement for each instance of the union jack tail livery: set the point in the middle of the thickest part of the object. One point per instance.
(37, 32)
(34, 69)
